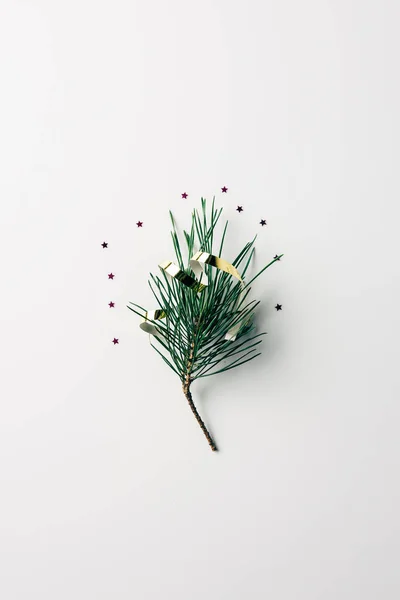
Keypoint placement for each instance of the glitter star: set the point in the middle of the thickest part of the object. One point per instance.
(105, 245)
(139, 223)
(224, 189)
(276, 257)
(111, 276)
(111, 304)
(263, 222)
(184, 195)
(115, 341)
(239, 208)
(278, 307)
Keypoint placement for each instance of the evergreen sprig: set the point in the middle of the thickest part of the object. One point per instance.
(191, 338)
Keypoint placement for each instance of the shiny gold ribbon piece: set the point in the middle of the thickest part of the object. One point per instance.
(197, 264)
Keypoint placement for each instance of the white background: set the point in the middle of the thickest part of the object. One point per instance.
(108, 112)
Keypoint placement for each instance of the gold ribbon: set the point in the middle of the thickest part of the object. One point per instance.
(197, 264)
(152, 315)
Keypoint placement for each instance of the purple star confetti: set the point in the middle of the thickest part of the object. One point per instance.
(184, 195)
(111, 304)
(224, 189)
(105, 245)
(139, 223)
(111, 276)
(115, 341)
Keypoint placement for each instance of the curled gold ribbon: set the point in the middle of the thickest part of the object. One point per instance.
(197, 264)
(152, 315)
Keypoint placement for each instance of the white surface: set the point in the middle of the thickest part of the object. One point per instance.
(108, 112)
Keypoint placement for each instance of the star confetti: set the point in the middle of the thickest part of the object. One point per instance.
(278, 307)
(111, 276)
(224, 189)
(263, 222)
(184, 195)
(115, 341)
(105, 245)
(139, 223)
(276, 257)
(111, 304)
(239, 208)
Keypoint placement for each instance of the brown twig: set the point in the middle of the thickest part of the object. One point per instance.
(186, 390)
(200, 421)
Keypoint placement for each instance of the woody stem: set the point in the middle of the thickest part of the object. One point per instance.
(186, 390)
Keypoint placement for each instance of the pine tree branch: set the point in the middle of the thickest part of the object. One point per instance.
(192, 333)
